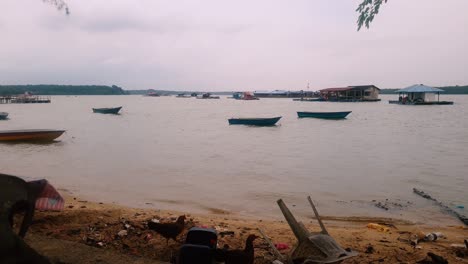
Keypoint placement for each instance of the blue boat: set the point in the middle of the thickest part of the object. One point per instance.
(3, 115)
(254, 121)
(324, 115)
(114, 110)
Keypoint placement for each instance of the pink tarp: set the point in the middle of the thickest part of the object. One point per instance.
(48, 198)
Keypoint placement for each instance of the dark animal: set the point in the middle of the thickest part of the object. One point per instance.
(168, 230)
(245, 256)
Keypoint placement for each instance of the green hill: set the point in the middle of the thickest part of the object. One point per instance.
(45, 89)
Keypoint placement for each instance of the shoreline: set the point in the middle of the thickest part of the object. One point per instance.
(96, 224)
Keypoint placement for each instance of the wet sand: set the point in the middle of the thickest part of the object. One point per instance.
(85, 224)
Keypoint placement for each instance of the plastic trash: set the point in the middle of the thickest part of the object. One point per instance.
(433, 236)
(380, 228)
(281, 246)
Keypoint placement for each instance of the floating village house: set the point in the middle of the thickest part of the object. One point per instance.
(419, 94)
(360, 93)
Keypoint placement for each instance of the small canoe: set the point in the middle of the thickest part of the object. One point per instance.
(254, 121)
(3, 115)
(324, 115)
(114, 110)
(30, 135)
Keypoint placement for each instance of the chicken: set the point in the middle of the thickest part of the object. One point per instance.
(245, 256)
(168, 230)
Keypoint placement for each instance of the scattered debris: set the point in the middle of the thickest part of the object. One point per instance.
(369, 249)
(378, 227)
(122, 233)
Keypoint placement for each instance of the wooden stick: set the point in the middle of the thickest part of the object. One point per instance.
(322, 226)
(272, 246)
(461, 217)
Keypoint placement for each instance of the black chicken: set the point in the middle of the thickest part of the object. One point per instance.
(168, 230)
(245, 256)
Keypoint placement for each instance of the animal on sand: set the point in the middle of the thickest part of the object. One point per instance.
(168, 230)
(241, 256)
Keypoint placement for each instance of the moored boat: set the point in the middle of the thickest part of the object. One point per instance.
(207, 96)
(324, 115)
(30, 135)
(3, 115)
(114, 110)
(254, 121)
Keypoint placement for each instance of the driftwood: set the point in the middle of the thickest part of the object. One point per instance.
(461, 217)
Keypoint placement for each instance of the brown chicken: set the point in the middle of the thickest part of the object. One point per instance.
(245, 256)
(168, 230)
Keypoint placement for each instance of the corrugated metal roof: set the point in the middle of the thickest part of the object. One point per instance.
(420, 88)
(339, 89)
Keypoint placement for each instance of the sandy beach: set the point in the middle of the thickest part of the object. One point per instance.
(87, 232)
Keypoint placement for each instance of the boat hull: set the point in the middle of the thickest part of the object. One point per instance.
(3, 115)
(30, 135)
(254, 121)
(421, 103)
(107, 110)
(324, 115)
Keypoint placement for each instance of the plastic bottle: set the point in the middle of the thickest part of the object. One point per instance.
(433, 236)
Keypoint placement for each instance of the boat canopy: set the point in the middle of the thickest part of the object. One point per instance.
(420, 88)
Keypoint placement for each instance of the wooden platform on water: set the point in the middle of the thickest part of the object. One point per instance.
(24, 99)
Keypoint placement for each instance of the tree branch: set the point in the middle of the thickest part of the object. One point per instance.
(60, 4)
(367, 10)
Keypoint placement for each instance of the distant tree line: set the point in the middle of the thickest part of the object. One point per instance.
(448, 90)
(45, 89)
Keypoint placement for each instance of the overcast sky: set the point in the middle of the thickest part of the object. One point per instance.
(233, 45)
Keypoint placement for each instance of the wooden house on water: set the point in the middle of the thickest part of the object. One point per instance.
(359, 93)
(25, 98)
(419, 94)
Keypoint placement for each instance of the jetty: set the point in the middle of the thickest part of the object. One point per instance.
(24, 99)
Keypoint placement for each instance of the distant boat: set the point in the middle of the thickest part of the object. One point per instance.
(207, 96)
(182, 95)
(30, 135)
(152, 94)
(324, 115)
(3, 115)
(254, 121)
(309, 99)
(114, 110)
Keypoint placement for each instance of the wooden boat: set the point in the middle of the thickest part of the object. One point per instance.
(324, 115)
(30, 135)
(309, 99)
(207, 96)
(3, 115)
(114, 110)
(254, 121)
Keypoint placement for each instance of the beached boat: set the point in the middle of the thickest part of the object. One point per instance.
(3, 115)
(324, 115)
(30, 135)
(114, 110)
(254, 121)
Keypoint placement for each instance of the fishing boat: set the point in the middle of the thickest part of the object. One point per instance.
(324, 115)
(254, 121)
(114, 110)
(3, 115)
(30, 135)
(207, 96)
